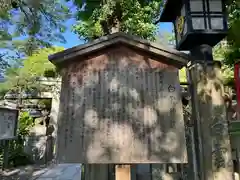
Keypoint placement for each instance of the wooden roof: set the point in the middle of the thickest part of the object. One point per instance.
(175, 57)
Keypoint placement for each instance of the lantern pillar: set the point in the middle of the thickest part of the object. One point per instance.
(199, 26)
(202, 53)
(209, 114)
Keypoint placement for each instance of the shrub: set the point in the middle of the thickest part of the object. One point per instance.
(17, 156)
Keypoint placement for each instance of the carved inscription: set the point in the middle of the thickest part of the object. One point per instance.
(72, 106)
(66, 114)
(123, 116)
(219, 130)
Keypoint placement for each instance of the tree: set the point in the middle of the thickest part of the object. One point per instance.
(37, 64)
(231, 52)
(41, 20)
(219, 52)
(234, 21)
(37, 23)
(166, 38)
(25, 75)
(228, 53)
(101, 17)
(17, 156)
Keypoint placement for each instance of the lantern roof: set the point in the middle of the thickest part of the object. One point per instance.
(175, 58)
(170, 11)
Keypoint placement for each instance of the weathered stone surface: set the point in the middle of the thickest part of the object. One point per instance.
(120, 107)
(215, 159)
(55, 111)
(35, 145)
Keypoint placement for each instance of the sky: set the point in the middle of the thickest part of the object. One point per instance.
(73, 40)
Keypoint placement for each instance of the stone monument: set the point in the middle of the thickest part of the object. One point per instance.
(120, 103)
(8, 123)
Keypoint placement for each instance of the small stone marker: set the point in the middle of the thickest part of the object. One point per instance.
(8, 123)
(120, 103)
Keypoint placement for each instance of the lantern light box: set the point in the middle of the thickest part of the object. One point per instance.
(196, 22)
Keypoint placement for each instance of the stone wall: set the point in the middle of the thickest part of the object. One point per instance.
(41, 144)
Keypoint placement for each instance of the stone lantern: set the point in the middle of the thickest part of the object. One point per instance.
(196, 22)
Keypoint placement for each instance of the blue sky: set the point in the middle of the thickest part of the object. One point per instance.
(73, 40)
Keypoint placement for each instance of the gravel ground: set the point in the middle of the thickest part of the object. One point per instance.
(30, 172)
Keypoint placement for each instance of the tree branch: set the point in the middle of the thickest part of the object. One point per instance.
(25, 13)
(157, 21)
(104, 26)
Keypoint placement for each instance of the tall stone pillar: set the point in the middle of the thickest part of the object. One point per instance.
(55, 109)
(209, 113)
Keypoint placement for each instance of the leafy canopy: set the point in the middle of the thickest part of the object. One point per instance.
(100, 17)
(231, 52)
(24, 75)
(26, 25)
(219, 52)
(228, 51)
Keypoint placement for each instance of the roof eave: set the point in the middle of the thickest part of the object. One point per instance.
(179, 59)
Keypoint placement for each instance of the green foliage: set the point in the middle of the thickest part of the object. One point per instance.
(17, 156)
(24, 125)
(168, 39)
(97, 18)
(231, 52)
(165, 38)
(183, 75)
(50, 73)
(37, 23)
(219, 53)
(234, 22)
(40, 21)
(83, 171)
(38, 63)
(45, 103)
(232, 55)
(24, 76)
(228, 55)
